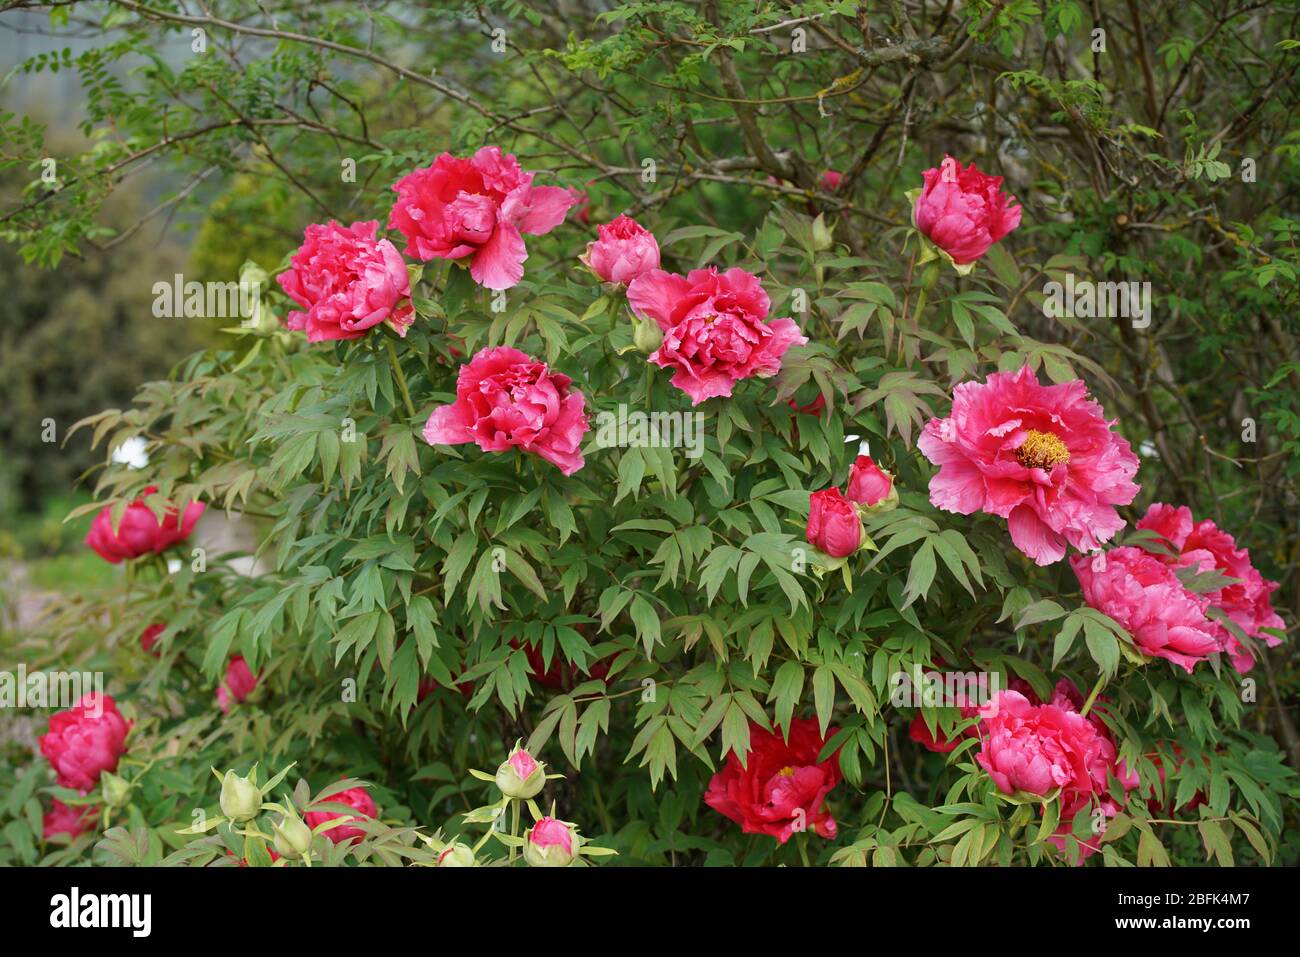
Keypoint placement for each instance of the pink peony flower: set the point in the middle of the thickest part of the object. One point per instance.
(239, 684)
(477, 207)
(1145, 596)
(348, 281)
(1036, 749)
(625, 249)
(85, 741)
(963, 211)
(833, 523)
(715, 328)
(506, 399)
(62, 819)
(139, 532)
(1205, 547)
(359, 800)
(1042, 457)
(868, 482)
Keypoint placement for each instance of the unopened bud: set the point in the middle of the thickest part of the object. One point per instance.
(520, 775)
(646, 335)
(241, 800)
(116, 789)
(456, 855)
(292, 836)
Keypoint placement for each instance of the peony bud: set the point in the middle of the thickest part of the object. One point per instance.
(833, 523)
(871, 486)
(821, 234)
(456, 855)
(241, 800)
(551, 843)
(292, 836)
(646, 335)
(116, 789)
(520, 776)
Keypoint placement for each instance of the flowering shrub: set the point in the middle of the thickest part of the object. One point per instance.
(679, 528)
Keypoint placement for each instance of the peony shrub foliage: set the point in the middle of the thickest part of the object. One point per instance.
(600, 535)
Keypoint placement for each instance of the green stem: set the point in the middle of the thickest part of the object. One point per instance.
(514, 826)
(920, 305)
(803, 851)
(1092, 696)
(401, 378)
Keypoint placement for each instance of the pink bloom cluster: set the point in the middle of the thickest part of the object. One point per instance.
(715, 328)
(1206, 547)
(1145, 596)
(1042, 457)
(1143, 592)
(347, 282)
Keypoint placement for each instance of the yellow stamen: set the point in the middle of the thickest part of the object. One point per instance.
(786, 772)
(1042, 450)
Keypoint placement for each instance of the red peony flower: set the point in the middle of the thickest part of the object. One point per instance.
(477, 207)
(139, 532)
(715, 328)
(963, 211)
(1205, 547)
(1042, 457)
(782, 788)
(238, 685)
(149, 638)
(359, 800)
(85, 741)
(506, 399)
(833, 523)
(72, 821)
(348, 281)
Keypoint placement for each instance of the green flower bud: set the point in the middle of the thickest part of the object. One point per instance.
(520, 776)
(116, 789)
(241, 800)
(646, 335)
(456, 855)
(292, 836)
(821, 234)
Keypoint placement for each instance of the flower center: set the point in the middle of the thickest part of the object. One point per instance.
(1042, 450)
(786, 772)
